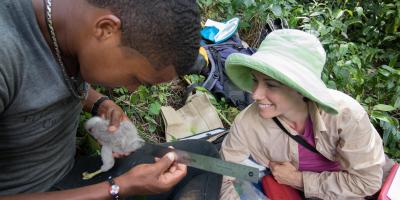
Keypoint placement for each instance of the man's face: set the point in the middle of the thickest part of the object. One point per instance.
(105, 61)
(112, 65)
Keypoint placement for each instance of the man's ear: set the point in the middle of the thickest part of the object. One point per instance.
(107, 26)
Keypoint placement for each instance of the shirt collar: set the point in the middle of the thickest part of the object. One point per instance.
(316, 118)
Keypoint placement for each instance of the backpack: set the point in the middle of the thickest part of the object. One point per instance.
(217, 82)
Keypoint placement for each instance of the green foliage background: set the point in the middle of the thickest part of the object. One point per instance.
(362, 40)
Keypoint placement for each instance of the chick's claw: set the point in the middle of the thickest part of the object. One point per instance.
(87, 175)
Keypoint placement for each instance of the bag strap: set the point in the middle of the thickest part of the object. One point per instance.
(297, 138)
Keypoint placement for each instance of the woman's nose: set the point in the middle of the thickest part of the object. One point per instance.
(257, 92)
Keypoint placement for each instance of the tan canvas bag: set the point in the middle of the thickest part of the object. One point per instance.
(196, 116)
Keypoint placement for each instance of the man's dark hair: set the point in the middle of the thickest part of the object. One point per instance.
(164, 31)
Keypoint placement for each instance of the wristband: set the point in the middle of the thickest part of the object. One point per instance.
(96, 105)
(114, 188)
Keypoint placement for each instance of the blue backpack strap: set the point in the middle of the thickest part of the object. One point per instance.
(213, 75)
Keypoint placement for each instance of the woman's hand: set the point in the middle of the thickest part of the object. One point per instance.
(286, 173)
(152, 178)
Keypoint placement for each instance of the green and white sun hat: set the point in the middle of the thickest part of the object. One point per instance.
(292, 57)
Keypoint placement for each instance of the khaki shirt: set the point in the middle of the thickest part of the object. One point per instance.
(348, 137)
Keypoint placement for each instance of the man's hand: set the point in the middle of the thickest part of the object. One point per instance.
(286, 173)
(111, 111)
(152, 178)
(108, 109)
(141, 180)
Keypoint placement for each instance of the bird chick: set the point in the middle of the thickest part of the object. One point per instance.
(123, 140)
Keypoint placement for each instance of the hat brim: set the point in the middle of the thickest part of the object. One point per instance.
(239, 67)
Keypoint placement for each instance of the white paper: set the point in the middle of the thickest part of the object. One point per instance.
(217, 25)
(394, 190)
(251, 163)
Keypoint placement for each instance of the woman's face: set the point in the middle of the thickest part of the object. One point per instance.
(273, 98)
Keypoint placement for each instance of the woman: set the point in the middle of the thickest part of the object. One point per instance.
(284, 76)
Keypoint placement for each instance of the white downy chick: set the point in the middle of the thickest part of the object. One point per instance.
(123, 140)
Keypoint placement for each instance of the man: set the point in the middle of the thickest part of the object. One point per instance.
(50, 50)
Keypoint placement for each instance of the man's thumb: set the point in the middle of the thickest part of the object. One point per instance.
(166, 161)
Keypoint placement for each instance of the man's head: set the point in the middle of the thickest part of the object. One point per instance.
(158, 34)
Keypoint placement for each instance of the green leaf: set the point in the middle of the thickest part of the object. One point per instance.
(343, 49)
(390, 12)
(389, 38)
(249, 3)
(360, 11)
(277, 10)
(332, 84)
(381, 116)
(134, 99)
(152, 128)
(393, 60)
(352, 21)
(384, 72)
(316, 14)
(357, 61)
(150, 119)
(388, 68)
(339, 14)
(384, 107)
(397, 103)
(155, 108)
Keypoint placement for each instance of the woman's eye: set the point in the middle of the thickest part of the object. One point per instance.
(271, 85)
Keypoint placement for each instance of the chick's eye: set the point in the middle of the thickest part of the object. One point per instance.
(90, 129)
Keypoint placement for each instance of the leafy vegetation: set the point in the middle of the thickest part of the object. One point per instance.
(362, 40)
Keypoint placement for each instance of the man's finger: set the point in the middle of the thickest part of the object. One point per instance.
(125, 117)
(172, 169)
(120, 154)
(174, 175)
(114, 120)
(165, 162)
(116, 155)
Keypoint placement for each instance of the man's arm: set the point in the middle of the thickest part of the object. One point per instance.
(92, 97)
(98, 191)
(107, 109)
(140, 180)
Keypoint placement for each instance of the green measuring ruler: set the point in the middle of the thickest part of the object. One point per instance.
(206, 163)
